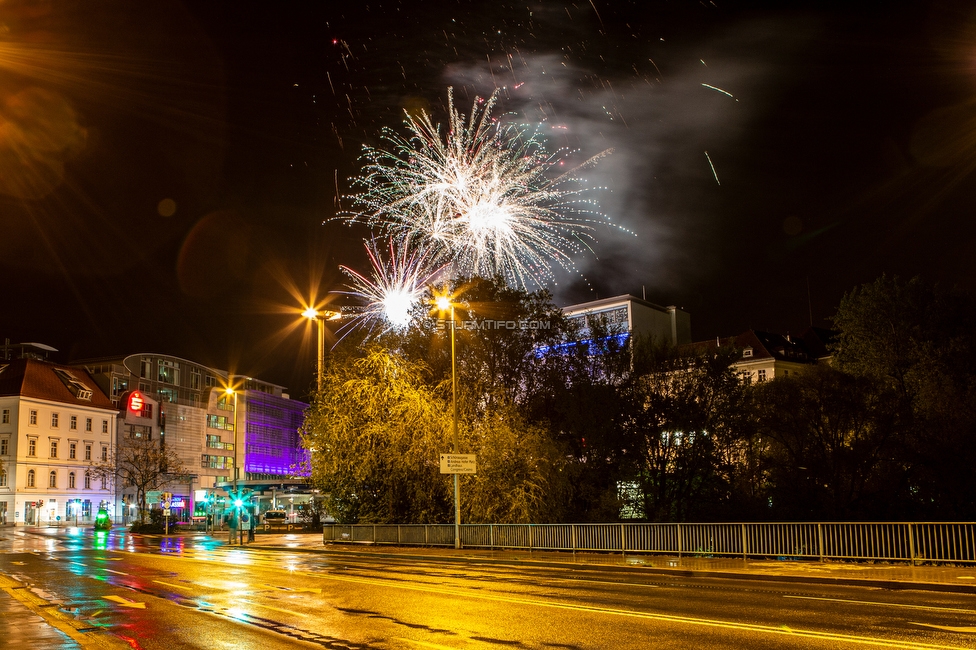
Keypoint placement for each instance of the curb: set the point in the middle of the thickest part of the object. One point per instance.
(893, 585)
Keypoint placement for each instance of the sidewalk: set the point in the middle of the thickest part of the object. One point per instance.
(958, 579)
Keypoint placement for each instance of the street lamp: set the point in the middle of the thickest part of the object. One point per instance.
(320, 317)
(444, 304)
(231, 391)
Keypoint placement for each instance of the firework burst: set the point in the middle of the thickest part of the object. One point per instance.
(486, 198)
(395, 286)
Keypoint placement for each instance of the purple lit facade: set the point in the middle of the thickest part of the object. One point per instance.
(272, 446)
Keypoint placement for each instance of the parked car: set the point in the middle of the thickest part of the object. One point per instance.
(273, 517)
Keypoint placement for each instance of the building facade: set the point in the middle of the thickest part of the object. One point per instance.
(214, 421)
(54, 422)
(630, 315)
(764, 356)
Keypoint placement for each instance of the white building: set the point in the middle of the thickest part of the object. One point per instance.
(54, 421)
(631, 315)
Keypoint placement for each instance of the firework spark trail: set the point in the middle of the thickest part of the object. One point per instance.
(396, 285)
(710, 164)
(717, 89)
(485, 197)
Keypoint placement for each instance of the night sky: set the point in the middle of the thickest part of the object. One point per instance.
(166, 167)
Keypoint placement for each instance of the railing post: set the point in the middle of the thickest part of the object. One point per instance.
(491, 536)
(530, 538)
(426, 536)
(623, 540)
(374, 533)
(911, 544)
(399, 536)
(820, 542)
(745, 550)
(572, 534)
(679, 540)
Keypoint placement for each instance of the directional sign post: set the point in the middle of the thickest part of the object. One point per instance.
(458, 464)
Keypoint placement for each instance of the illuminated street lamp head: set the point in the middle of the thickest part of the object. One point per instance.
(229, 390)
(311, 313)
(238, 503)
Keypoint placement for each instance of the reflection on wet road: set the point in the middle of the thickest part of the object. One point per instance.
(199, 592)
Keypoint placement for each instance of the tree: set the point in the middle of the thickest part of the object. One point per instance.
(374, 433)
(688, 417)
(141, 463)
(830, 438)
(917, 340)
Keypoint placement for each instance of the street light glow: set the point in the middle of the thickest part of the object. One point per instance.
(443, 303)
(311, 313)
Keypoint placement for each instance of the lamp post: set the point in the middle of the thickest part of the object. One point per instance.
(231, 391)
(444, 304)
(320, 317)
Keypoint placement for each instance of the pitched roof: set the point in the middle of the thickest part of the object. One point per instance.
(807, 348)
(52, 382)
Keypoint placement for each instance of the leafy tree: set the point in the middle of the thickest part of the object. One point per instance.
(141, 463)
(375, 432)
(830, 438)
(917, 340)
(688, 416)
(521, 470)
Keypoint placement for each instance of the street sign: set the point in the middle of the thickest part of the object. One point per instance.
(458, 464)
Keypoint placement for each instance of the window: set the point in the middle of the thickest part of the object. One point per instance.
(140, 431)
(72, 450)
(87, 424)
(30, 478)
(3, 447)
(73, 423)
(54, 420)
(52, 480)
(54, 449)
(104, 426)
(33, 417)
(87, 481)
(209, 381)
(145, 368)
(220, 422)
(747, 352)
(6, 416)
(119, 386)
(87, 452)
(71, 480)
(31, 447)
(104, 453)
(762, 375)
(169, 372)
(194, 379)
(3, 478)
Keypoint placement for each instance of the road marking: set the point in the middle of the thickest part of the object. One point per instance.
(169, 584)
(125, 602)
(947, 628)
(871, 602)
(277, 609)
(425, 644)
(670, 618)
(121, 573)
(295, 589)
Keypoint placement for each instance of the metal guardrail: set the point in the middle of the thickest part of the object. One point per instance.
(906, 542)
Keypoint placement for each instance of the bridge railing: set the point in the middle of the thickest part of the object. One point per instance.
(936, 542)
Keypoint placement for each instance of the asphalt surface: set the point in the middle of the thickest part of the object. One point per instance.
(28, 616)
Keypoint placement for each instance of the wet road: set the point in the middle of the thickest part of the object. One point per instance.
(197, 592)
